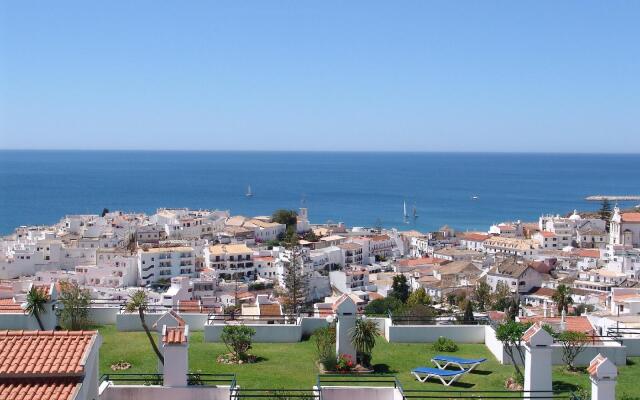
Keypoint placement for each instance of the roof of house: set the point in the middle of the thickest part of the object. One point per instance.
(541, 291)
(474, 236)
(572, 323)
(633, 217)
(350, 246)
(229, 249)
(54, 389)
(457, 267)
(271, 309)
(510, 268)
(10, 306)
(414, 262)
(175, 334)
(33, 353)
(590, 253)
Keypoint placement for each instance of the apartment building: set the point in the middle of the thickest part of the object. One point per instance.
(231, 261)
(155, 263)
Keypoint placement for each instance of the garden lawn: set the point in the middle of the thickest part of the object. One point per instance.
(292, 365)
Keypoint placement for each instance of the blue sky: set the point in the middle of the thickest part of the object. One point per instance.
(324, 75)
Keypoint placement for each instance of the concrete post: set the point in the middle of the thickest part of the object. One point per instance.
(537, 360)
(346, 313)
(603, 375)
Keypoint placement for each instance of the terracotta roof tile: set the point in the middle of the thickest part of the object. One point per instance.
(47, 389)
(175, 335)
(33, 353)
(10, 306)
(270, 310)
(630, 217)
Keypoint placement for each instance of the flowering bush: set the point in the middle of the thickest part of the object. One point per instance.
(345, 363)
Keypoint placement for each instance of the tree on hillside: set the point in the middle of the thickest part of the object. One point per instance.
(482, 295)
(105, 211)
(468, 312)
(510, 334)
(419, 297)
(604, 212)
(383, 306)
(562, 298)
(296, 283)
(75, 302)
(286, 217)
(513, 309)
(400, 288)
(138, 302)
(501, 297)
(36, 300)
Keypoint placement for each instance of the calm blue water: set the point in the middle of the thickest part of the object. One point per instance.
(39, 187)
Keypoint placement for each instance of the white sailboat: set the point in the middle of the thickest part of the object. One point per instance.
(249, 192)
(415, 212)
(404, 211)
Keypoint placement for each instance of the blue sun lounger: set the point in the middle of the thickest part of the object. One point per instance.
(465, 364)
(447, 377)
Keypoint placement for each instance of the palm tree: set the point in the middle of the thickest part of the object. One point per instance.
(363, 338)
(562, 297)
(138, 302)
(36, 299)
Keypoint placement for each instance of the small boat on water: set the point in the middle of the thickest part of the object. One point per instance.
(415, 212)
(475, 197)
(249, 192)
(405, 216)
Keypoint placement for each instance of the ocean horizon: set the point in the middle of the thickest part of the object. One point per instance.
(357, 188)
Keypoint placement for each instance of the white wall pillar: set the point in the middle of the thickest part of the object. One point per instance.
(175, 349)
(537, 360)
(603, 374)
(346, 313)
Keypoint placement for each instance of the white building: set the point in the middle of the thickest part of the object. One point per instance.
(230, 261)
(155, 263)
(625, 228)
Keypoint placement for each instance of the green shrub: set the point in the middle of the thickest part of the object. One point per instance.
(325, 341)
(237, 338)
(445, 345)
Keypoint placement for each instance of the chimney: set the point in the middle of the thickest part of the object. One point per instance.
(175, 348)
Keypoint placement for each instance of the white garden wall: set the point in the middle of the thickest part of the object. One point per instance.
(265, 333)
(131, 322)
(431, 333)
(141, 392)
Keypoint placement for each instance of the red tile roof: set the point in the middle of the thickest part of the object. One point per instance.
(189, 306)
(33, 353)
(591, 253)
(9, 306)
(630, 217)
(47, 389)
(414, 262)
(594, 364)
(175, 335)
(474, 236)
(548, 234)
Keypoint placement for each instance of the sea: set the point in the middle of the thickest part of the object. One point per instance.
(467, 191)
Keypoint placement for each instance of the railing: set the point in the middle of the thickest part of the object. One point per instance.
(409, 394)
(133, 379)
(380, 380)
(193, 379)
(436, 320)
(622, 332)
(283, 319)
(284, 394)
(201, 379)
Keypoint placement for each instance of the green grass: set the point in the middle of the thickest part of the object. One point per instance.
(291, 365)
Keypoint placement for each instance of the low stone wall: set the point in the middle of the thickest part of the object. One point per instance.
(265, 333)
(431, 333)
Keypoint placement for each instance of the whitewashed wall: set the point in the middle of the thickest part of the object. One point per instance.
(360, 393)
(20, 321)
(616, 352)
(633, 346)
(103, 315)
(265, 333)
(131, 322)
(309, 325)
(431, 333)
(140, 392)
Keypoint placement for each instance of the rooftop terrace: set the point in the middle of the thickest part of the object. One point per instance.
(292, 365)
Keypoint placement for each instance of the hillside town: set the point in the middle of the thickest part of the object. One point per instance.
(219, 264)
